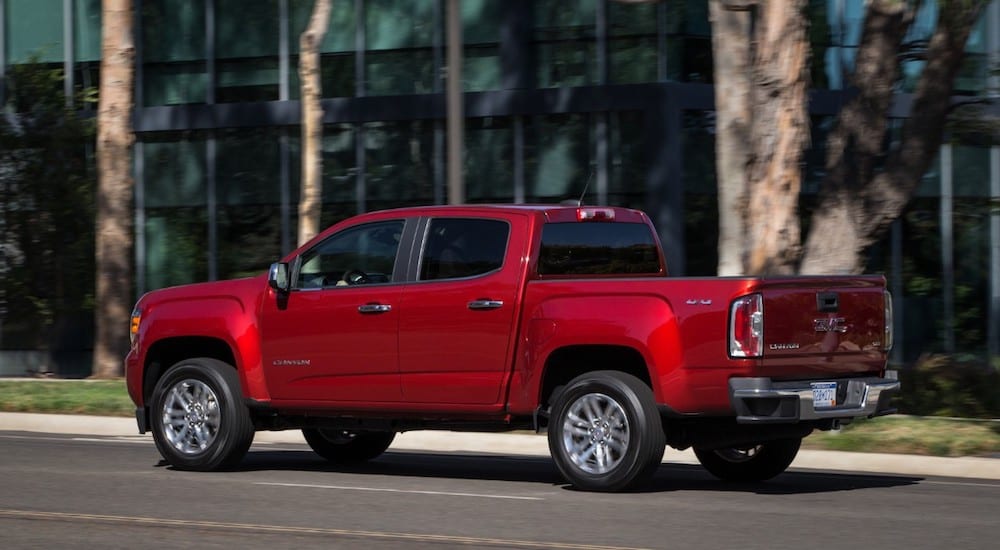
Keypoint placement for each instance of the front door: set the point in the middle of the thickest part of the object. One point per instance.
(456, 320)
(334, 337)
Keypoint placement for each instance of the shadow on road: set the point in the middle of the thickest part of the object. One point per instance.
(669, 477)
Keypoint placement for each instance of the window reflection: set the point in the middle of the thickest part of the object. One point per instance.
(398, 164)
(173, 52)
(565, 43)
(246, 50)
(400, 36)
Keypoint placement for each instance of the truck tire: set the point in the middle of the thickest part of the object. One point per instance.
(605, 432)
(199, 421)
(757, 463)
(347, 447)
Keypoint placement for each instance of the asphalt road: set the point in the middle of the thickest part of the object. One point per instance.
(105, 492)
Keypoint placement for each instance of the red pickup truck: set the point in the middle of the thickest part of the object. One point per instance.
(491, 318)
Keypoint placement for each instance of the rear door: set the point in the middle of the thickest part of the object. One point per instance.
(457, 318)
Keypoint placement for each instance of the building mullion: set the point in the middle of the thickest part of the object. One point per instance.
(211, 204)
(210, 51)
(947, 247)
(68, 51)
(993, 324)
(284, 61)
(139, 192)
(360, 43)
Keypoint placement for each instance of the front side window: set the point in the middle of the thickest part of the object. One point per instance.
(461, 247)
(598, 249)
(364, 254)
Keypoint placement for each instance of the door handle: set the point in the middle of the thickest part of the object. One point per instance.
(485, 303)
(374, 308)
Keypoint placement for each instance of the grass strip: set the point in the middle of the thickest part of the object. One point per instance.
(920, 435)
(98, 397)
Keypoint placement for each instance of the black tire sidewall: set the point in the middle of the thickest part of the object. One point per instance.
(646, 440)
(773, 458)
(362, 448)
(235, 430)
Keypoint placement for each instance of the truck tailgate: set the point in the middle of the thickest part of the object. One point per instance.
(823, 326)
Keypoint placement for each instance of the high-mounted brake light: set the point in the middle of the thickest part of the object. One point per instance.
(595, 215)
(746, 327)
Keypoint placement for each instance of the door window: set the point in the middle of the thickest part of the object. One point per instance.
(463, 247)
(365, 254)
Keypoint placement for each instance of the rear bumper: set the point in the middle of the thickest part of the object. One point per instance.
(762, 400)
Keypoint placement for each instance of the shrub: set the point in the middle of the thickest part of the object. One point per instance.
(951, 385)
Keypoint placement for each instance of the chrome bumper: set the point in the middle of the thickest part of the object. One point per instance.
(762, 400)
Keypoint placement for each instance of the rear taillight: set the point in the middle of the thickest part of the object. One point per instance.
(746, 327)
(888, 321)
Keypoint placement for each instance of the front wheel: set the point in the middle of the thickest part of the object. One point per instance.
(199, 420)
(605, 432)
(752, 463)
(347, 447)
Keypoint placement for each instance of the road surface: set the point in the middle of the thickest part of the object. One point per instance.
(114, 492)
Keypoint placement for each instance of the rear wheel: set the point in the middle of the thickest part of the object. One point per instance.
(347, 447)
(199, 420)
(751, 463)
(605, 432)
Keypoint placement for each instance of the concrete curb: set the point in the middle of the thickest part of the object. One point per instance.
(533, 445)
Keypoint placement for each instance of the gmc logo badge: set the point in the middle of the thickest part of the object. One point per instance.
(832, 324)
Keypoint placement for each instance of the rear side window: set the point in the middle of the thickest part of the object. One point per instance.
(463, 247)
(597, 249)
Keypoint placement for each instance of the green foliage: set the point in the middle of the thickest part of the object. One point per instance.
(47, 186)
(956, 386)
(100, 397)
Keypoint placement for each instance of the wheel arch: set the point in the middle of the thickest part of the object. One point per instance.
(566, 363)
(165, 353)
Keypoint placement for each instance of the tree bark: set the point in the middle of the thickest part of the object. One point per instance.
(859, 201)
(115, 189)
(779, 134)
(310, 200)
(730, 40)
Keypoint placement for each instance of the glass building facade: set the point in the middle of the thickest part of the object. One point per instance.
(562, 98)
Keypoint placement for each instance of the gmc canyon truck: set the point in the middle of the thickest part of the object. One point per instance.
(491, 318)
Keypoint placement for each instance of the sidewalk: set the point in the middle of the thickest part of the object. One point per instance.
(533, 445)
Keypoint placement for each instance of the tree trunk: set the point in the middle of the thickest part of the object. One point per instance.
(114, 193)
(778, 136)
(858, 202)
(730, 39)
(310, 200)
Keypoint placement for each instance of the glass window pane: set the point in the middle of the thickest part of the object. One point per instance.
(173, 35)
(400, 38)
(399, 164)
(247, 36)
(359, 255)
(175, 193)
(248, 195)
(701, 200)
(565, 46)
(34, 31)
(176, 245)
(458, 248)
(632, 42)
(489, 151)
(558, 157)
(87, 30)
(481, 34)
(174, 170)
(628, 164)
(597, 248)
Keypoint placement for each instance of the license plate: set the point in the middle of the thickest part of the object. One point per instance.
(824, 394)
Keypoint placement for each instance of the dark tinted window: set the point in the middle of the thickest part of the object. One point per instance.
(597, 248)
(459, 247)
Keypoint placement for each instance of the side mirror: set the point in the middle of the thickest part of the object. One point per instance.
(277, 277)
